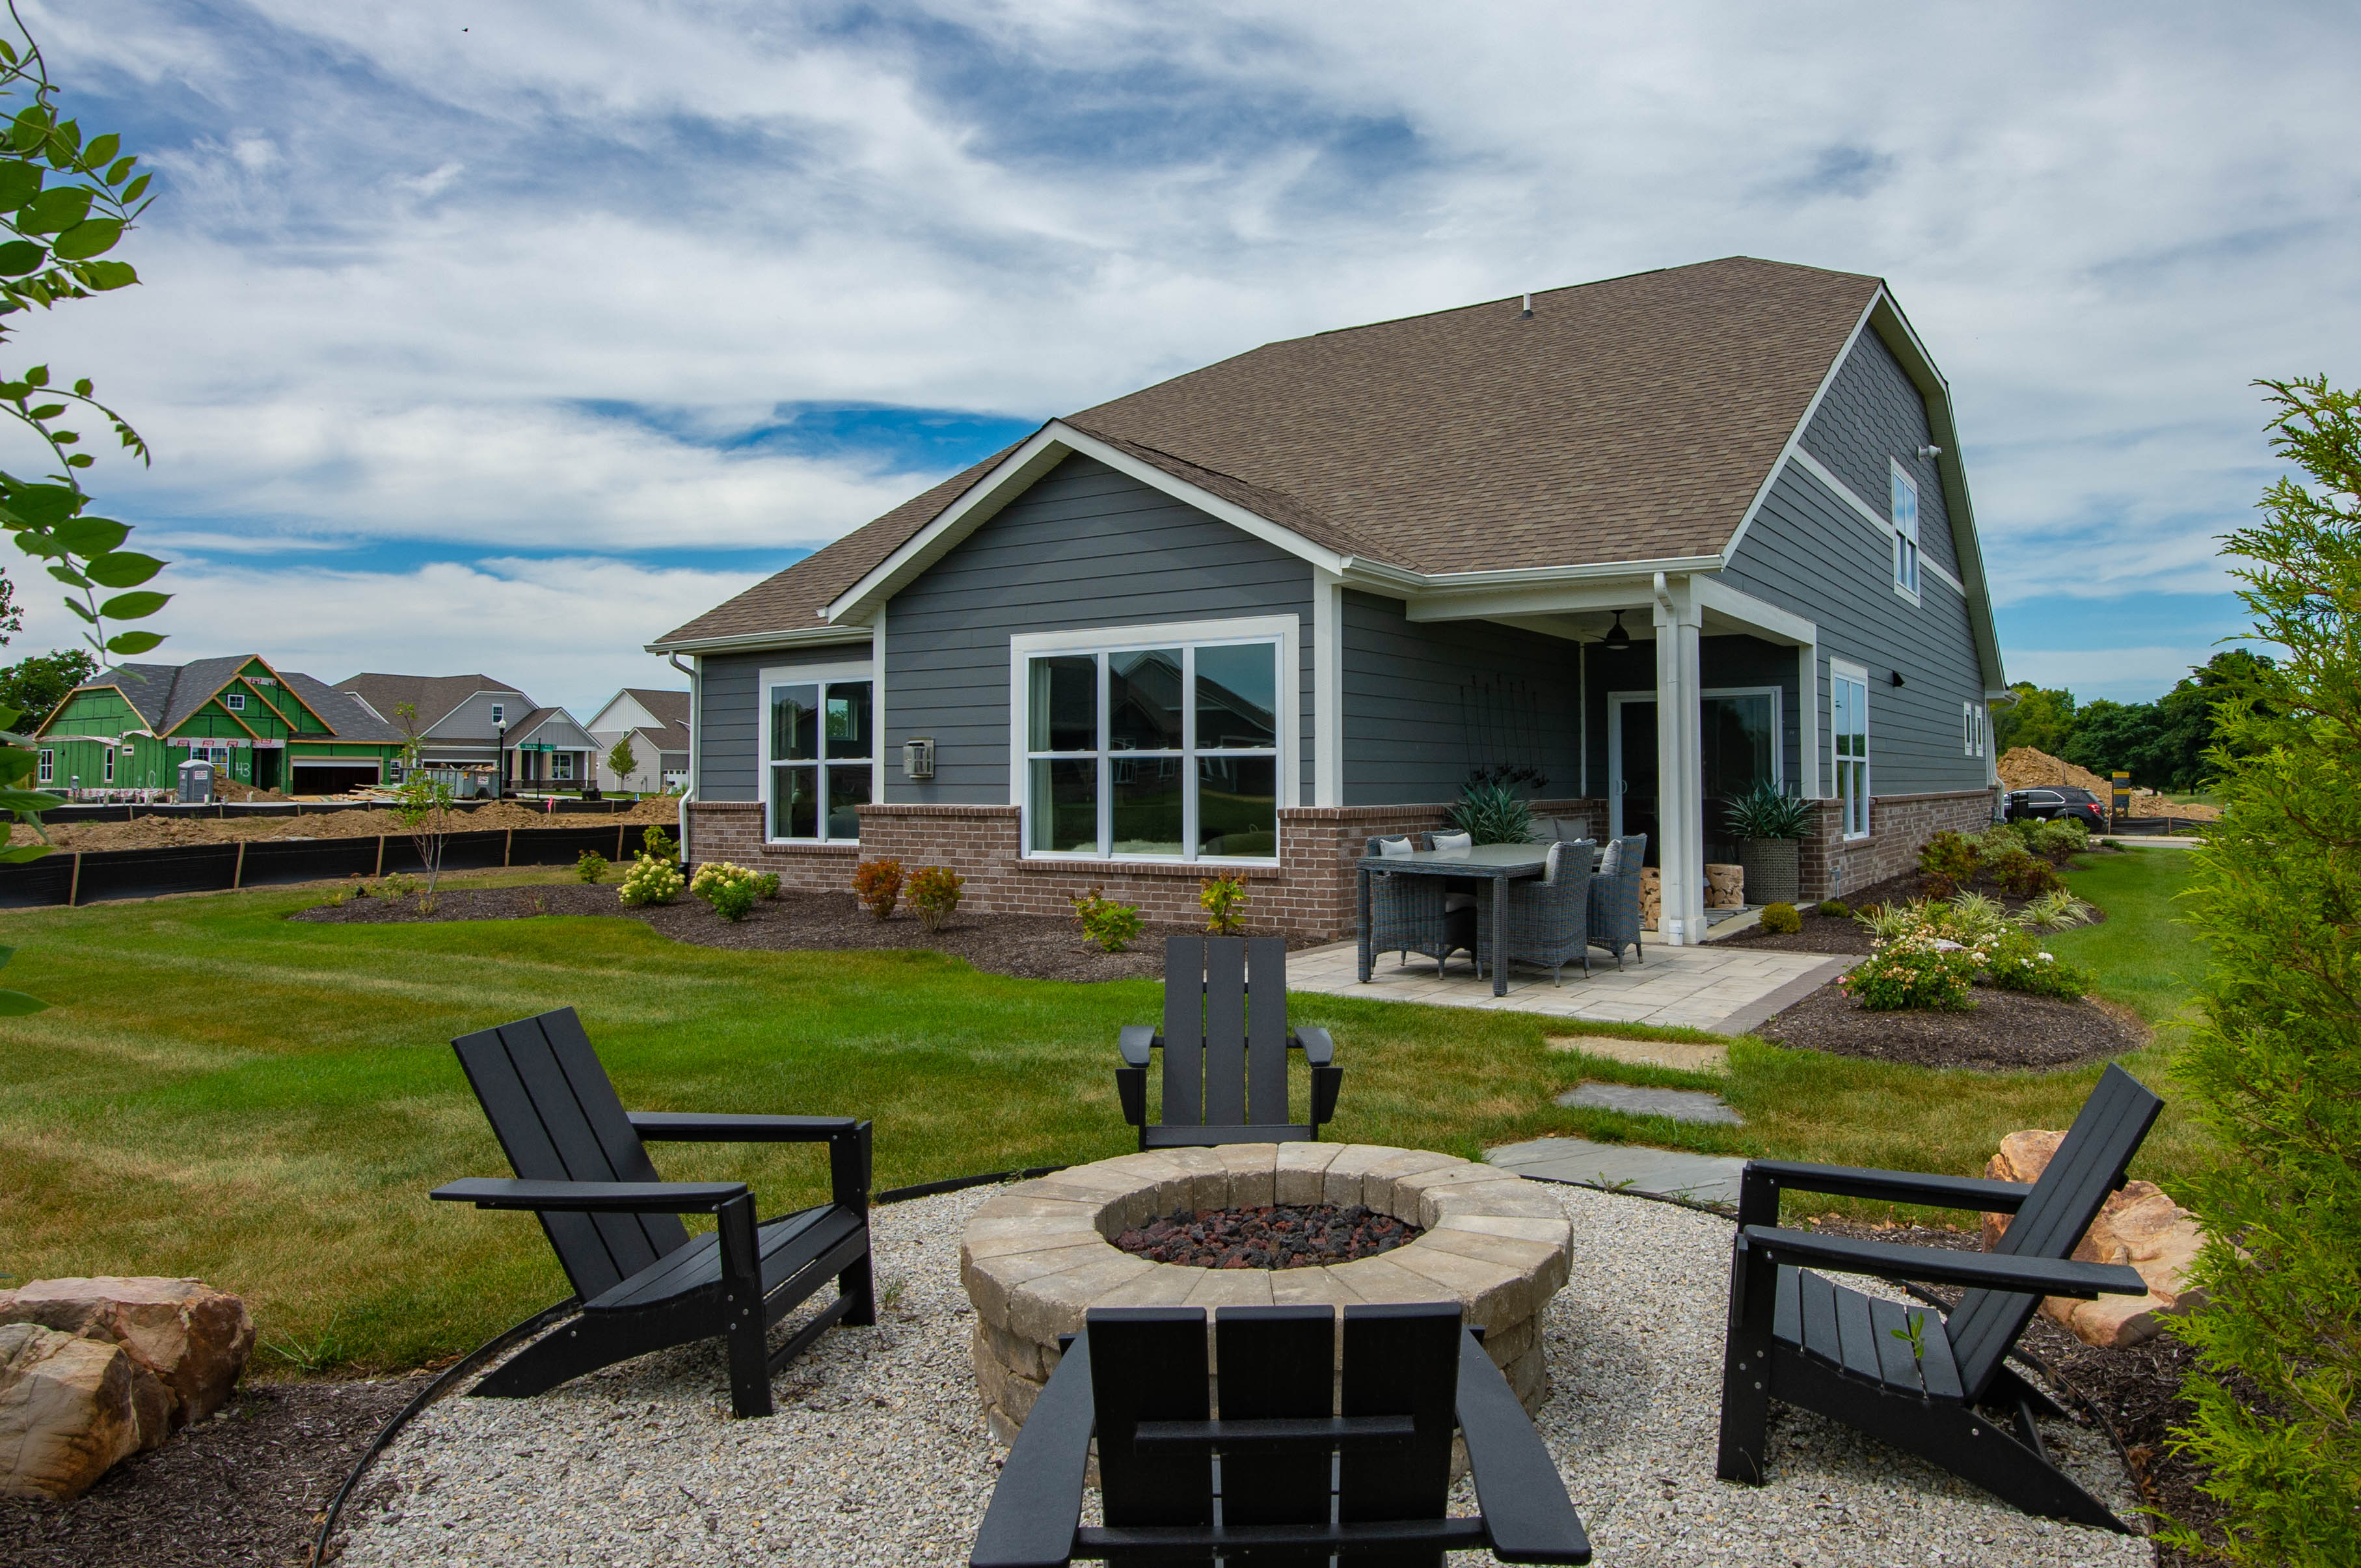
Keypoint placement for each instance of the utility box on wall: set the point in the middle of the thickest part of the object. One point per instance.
(918, 757)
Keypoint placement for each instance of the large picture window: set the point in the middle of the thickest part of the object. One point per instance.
(823, 758)
(1849, 725)
(1168, 753)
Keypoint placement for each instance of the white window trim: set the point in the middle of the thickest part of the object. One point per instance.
(1618, 700)
(48, 773)
(1907, 588)
(107, 752)
(234, 701)
(1839, 670)
(1285, 629)
(1972, 720)
(499, 713)
(815, 675)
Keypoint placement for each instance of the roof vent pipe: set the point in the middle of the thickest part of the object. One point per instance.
(1526, 313)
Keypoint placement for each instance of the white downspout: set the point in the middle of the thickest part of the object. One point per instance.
(696, 696)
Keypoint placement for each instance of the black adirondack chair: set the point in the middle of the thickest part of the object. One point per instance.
(643, 1281)
(1906, 1375)
(1281, 1476)
(1225, 1041)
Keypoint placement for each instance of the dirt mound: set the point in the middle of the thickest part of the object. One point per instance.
(2022, 767)
(160, 832)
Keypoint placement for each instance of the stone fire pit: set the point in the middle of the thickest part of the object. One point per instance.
(1039, 1256)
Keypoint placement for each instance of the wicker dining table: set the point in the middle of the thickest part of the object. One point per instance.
(1503, 864)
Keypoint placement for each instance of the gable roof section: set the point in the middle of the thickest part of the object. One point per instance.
(1632, 422)
(166, 695)
(340, 712)
(540, 718)
(668, 708)
(436, 696)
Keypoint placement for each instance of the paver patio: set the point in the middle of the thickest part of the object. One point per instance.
(1725, 989)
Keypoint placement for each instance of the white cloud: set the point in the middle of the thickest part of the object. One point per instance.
(393, 260)
(570, 631)
(2119, 675)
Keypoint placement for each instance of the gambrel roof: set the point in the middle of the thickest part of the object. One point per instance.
(1629, 422)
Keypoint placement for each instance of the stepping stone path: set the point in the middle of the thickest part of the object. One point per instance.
(1665, 1173)
(1687, 1056)
(1680, 1104)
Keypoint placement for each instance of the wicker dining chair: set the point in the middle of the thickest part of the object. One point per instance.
(1549, 920)
(1615, 902)
(1407, 915)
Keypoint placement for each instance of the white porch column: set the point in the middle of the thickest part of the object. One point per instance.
(1679, 770)
(1327, 688)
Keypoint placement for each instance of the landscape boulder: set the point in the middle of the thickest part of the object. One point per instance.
(2139, 1226)
(193, 1339)
(69, 1408)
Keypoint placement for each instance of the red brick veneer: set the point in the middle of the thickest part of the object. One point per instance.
(1899, 826)
(1310, 892)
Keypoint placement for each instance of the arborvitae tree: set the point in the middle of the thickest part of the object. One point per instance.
(2274, 1069)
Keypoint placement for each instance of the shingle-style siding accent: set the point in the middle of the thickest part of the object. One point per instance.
(729, 714)
(1412, 715)
(1874, 412)
(1810, 553)
(1084, 547)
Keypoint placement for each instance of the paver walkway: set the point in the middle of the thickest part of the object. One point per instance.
(1699, 1177)
(1725, 989)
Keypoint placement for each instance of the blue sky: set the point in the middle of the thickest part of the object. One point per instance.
(509, 337)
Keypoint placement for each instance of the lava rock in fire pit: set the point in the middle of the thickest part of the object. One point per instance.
(1271, 1237)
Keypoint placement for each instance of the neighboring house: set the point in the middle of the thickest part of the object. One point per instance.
(657, 725)
(131, 727)
(471, 723)
(1657, 537)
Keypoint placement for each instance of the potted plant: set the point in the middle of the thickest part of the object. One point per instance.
(1769, 826)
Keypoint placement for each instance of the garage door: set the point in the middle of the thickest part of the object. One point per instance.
(333, 778)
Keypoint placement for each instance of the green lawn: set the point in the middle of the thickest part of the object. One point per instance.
(221, 1092)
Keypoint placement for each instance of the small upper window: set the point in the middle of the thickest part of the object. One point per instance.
(1905, 530)
(48, 766)
(235, 702)
(499, 713)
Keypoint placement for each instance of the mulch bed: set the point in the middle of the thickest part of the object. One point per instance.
(2006, 1030)
(2137, 1390)
(1029, 947)
(245, 1487)
(1309, 1237)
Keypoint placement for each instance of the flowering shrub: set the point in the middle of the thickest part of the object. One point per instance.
(652, 881)
(1919, 971)
(2018, 962)
(657, 842)
(878, 886)
(1105, 923)
(934, 894)
(730, 889)
(1781, 919)
(766, 884)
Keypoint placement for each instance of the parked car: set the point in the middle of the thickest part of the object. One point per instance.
(2053, 802)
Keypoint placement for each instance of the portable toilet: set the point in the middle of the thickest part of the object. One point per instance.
(196, 783)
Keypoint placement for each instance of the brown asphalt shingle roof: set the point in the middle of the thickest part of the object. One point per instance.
(1632, 419)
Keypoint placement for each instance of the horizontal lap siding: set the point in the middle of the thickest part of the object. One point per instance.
(1811, 554)
(729, 714)
(1085, 547)
(1873, 413)
(1409, 735)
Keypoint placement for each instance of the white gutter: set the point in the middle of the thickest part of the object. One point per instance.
(696, 691)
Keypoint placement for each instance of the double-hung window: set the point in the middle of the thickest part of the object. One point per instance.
(1905, 530)
(1849, 727)
(107, 752)
(1167, 750)
(823, 757)
(48, 766)
(1972, 728)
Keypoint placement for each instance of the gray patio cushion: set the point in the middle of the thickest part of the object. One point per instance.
(1612, 860)
(1394, 848)
(1452, 840)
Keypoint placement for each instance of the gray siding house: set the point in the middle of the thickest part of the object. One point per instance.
(1651, 540)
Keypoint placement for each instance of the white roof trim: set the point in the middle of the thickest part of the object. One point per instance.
(1869, 514)
(756, 642)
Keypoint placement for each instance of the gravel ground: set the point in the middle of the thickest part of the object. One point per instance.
(878, 1454)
